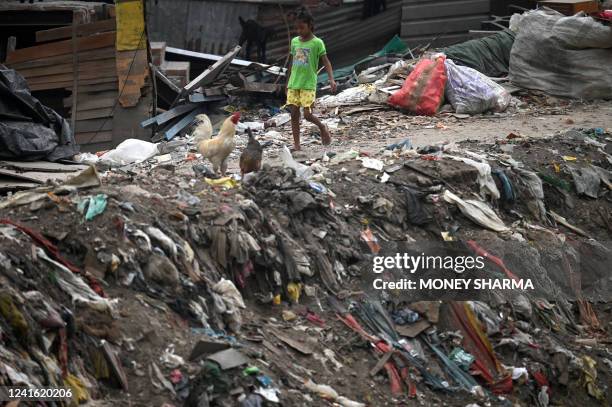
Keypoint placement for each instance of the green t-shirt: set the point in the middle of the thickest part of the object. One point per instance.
(305, 56)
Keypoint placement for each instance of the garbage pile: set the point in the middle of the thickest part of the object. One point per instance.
(531, 55)
(157, 283)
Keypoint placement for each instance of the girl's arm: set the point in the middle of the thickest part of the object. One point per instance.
(288, 71)
(330, 72)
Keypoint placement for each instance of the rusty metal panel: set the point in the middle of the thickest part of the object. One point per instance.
(441, 22)
(213, 27)
(202, 26)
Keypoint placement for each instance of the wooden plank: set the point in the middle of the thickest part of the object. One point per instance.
(36, 176)
(381, 362)
(444, 25)
(68, 84)
(160, 75)
(42, 166)
(98, 87)
(69, 77)
(94, 125)
(237, 62)
(211, 73)
(201, 98)
(84, 56)
(90, 66)
(8, 184)
(82, 30)
(169, 115)
(444, 9)
(92, 96)
(61, 47)
(94, 113)
(132, 71)
(93, 137)
(184, 122)
(95, 104)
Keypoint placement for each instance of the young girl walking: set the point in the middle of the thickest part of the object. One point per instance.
(307, 50)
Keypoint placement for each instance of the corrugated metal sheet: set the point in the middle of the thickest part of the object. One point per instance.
(213, 27)
(441, 22)
(346, 35)
(196, 25)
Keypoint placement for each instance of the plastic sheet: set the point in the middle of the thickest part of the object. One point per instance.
(562, 56)
(130, 151)
(471, 92)
(28, 129)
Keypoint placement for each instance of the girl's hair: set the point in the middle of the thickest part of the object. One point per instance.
(304, 16)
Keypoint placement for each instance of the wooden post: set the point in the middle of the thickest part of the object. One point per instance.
(75, 74)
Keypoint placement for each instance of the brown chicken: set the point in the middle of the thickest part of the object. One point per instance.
(250, 159)
(219, 148)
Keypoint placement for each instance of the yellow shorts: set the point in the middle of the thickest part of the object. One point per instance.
(301, 97)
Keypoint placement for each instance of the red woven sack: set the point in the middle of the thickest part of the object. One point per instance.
(423, 90)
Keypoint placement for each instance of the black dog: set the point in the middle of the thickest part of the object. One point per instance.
(253, 33)
(373, 7)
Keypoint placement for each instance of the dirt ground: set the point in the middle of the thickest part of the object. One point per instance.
(390, 127)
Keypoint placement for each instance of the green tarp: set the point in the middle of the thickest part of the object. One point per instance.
(395, 46)
(489, 55)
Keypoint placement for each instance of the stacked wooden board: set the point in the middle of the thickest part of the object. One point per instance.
(91, 55)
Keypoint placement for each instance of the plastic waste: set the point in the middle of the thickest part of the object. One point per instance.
(318, 187)
(586, 181)
(472, 92)
(301, 170)
(279, 120)
(162, 240)
(170, 359)
(229, 292)
(86, 158)
(348, 97)
(518, 372)
(73, 285)
(242, 127)
(477, 211)
(130, 151)
(322, 390)
(404, 316)
(92, 206)
(406, 144)
(371, 240)
(423, 90)
(372, 163)
(224, 182)
(485, 180)
(187, 198)
(345, 156)
(462, 358)
(535, 191)
(294, 290)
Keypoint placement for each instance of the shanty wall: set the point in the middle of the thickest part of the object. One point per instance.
(213, 27)
(441, 22)
(196, 25)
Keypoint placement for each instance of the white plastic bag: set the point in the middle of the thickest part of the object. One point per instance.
(130, 151)
(301, 170)
(478, 211)
(255, 126)
(348, 97)
(485, 179)
(471, 92)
